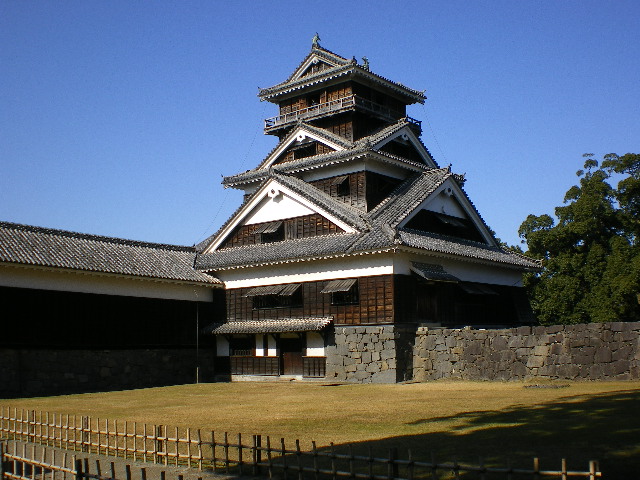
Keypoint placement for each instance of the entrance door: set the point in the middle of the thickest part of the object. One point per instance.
(291, 350)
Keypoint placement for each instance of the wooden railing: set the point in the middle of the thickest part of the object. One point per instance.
(252, 365)
(242, 455)
(314, 366)
(334, 106)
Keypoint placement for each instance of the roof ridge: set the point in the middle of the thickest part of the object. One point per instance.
(93, 237)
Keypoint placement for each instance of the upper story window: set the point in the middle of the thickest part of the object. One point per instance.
(276, 296)
(271, 232)
(343, 188)
(343, 292)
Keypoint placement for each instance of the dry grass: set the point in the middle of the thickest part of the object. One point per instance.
(580, 421)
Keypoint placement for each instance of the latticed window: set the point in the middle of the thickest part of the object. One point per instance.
(276, 296)
(343, 292)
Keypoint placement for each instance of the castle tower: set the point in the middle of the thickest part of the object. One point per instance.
(350, 236)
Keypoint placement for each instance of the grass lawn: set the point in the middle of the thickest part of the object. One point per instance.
(580, 421)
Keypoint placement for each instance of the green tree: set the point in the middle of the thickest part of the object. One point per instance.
(590, 252)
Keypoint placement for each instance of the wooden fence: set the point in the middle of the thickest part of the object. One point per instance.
(247, 455)
(22, 462)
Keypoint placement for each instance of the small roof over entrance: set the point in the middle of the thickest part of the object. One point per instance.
(269, 326)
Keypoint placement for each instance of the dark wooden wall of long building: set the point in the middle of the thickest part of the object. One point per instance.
(297, 227)
(53, 319)
(375, 305)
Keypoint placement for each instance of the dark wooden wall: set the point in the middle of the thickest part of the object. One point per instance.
(298, 227)
(52, 319)
(367, 189)
(375, 306)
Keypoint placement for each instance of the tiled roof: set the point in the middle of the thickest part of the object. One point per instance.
(46, 247)
(351, 69)
(277, 252)
(352, 150)
(269, 326)
(407, 196)
(464, 248)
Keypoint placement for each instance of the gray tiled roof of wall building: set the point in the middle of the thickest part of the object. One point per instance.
(46, 247)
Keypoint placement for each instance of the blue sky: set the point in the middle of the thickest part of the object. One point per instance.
(119, 118)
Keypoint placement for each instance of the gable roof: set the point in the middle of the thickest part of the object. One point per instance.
(46, 247)
(368, 145)
(342, 68)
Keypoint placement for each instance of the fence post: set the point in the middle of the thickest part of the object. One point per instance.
(256, 457)
(84, 439)
(78, 469)
(1, 460)
(393, 466)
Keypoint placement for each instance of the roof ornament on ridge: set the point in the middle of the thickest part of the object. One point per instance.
(315, 41)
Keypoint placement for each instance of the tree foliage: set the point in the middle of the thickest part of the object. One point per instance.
(590, 251)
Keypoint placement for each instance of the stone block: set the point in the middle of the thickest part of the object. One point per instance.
(603, 355)
(541, 350)
(373, 367)
(535, 361)
(387, 376)
(366, 357)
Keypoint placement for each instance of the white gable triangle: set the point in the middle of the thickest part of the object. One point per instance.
(309, 62)
(299, 134)
(270, 203)
(449, 202)
(406, 135)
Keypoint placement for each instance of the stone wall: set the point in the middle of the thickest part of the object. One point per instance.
(371, 354)
(39, 372)
(597, 351)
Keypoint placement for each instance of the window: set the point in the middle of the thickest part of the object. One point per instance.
(343, 188)
(270, 232)
(275, 296)
(343, 292)
(241, 346)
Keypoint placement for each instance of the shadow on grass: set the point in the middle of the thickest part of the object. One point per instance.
(580, 428)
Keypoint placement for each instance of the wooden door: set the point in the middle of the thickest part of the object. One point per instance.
(291, 351)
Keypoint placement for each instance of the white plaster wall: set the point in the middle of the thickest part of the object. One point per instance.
(315, 345)
(358, 266)
(278, 208)
(259, 345)
(465, 271)
(222, 346)
(446, 204)
(353, 167)
(271, 346)
(84, 282)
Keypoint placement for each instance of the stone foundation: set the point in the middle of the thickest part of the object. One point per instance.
(371, 354)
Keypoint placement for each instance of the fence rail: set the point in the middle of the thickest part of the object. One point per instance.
(220, 452)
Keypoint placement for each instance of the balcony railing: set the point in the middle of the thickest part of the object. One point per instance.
(343, 104)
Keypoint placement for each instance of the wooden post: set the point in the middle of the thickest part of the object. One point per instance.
(127, 469)
(78, 470)
(564, 469)
(299, 459)
(316, 472)
(592, 470)
(84, 436)
(392, 470)
(213, 450)
(240, 453)
(2, 446)
(226, 452)
(370, 462)
(200, 450)
(269, 462)
(113, 471)
(256, 455)
(283, 452)
(334, 472)
(536, 468)
(143, 473)
(410, 467)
